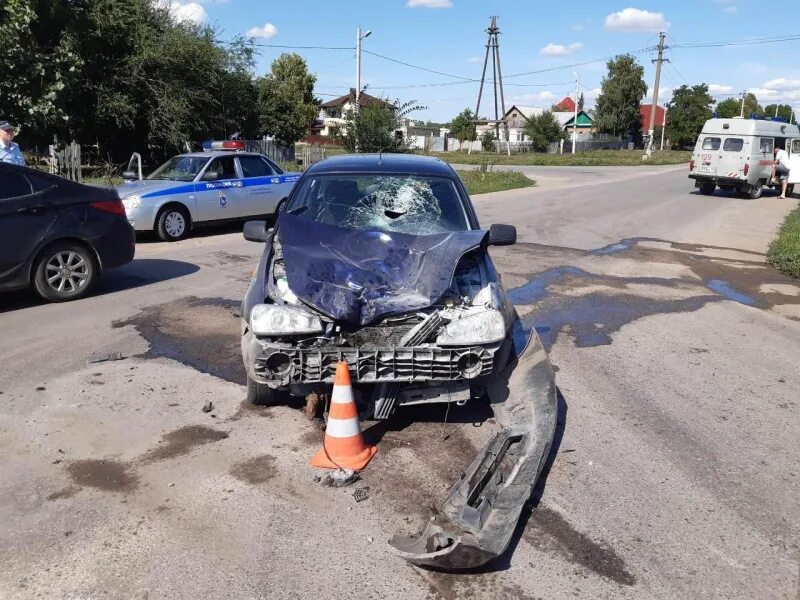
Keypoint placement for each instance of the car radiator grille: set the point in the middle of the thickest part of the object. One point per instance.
(304, 365)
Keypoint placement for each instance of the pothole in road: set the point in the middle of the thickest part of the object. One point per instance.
(202, 333)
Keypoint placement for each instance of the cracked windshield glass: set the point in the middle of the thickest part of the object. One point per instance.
(392, 203)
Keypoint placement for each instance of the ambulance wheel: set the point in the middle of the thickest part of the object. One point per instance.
(707, 189)
(754, 193)
(172, 223)
(790, 190)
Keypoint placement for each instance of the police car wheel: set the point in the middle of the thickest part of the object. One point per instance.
(172, 224)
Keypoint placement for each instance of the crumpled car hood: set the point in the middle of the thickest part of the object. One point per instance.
(358, 276)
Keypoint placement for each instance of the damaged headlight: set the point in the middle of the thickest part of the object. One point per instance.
(270, 319)
(485, 327)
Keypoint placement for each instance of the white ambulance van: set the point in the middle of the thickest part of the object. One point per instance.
(736, 154)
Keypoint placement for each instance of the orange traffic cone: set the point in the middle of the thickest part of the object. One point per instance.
(343, 446)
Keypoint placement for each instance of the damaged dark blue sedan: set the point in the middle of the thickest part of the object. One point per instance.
(379, 260)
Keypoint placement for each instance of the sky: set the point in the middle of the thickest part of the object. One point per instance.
(540, 45)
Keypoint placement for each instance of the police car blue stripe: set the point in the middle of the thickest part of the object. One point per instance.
(181, 189)
(228, 183)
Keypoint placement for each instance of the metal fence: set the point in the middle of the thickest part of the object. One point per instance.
(66, 161)
(271, 149)
(308, 155)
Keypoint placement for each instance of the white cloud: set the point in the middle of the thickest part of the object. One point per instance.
(543, 96)
(266, 32)
(636, 20)
(429, 3)
(730, 10)
(762, 92)
(474, 59)
(560, 50)
(782, 84)
(189, 11)
(716, 88)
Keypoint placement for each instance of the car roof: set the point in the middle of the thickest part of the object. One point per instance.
(411, 164)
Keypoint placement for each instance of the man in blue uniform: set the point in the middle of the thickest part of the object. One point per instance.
(9, 151)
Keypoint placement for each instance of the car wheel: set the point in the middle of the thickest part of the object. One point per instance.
(65, 271)
(707, 189)
(262, 395)
(790, 190)
(172, 223)
(754, 193)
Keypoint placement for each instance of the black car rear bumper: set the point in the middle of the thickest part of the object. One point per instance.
(117, 245)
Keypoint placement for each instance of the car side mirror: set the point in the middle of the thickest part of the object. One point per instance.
(255, 231)
(281, 206)
(502, 235)
(129, 176)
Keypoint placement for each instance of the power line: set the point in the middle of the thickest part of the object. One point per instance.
(400, 62)
(746, 42)
(287, 47)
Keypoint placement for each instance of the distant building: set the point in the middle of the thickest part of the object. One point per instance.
(332, 113)
(517, 118)
(567, 104)
(645, 110)
(585, 127)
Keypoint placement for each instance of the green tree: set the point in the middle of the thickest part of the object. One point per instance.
(542, 130)
(581, 102)
(621, 94)
(751, 106)
(688, 111)
(487, 141)
(286, 103)
(783, 110)
(375, 127)
(463, 127)
(728, 108)
(732, 107)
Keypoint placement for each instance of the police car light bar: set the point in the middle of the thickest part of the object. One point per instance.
(235, 145)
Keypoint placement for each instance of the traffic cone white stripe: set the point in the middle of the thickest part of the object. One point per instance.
(342, 428)
(342, 394)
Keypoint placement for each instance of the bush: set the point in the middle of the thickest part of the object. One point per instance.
(784, 251)
(542, 130)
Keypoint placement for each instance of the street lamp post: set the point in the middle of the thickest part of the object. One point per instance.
(359, 37)
(575, 118)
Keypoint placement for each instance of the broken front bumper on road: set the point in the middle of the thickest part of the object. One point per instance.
(478, 518)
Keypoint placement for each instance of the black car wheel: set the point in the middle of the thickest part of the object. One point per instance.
(707, 189)
(262, 395)
(172, 223)
(65, 271)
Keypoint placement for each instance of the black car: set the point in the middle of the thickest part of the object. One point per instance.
(379, 261)
(57, 235)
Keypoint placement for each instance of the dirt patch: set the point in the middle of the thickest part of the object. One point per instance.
(230, 258)
(248, 408)
(202, 333)
(67, 492)
(182, 441)
(548, 530)
(259, 469)
(103, 474)
(449, 586)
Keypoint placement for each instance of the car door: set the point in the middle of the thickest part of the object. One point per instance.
(215, 192)
(708, 154)
(731, 156)
(26, 217)
(794, 161)
(261, 191)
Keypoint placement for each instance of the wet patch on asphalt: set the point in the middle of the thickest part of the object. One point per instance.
(67, 492)
(182, 441)
(202, 333)
(104, 474)
(548, 530)
(589, 307)
(256, 470)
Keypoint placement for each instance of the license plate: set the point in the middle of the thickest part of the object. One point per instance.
(706, 169)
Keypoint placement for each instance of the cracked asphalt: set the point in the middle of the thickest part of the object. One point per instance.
(675, 475)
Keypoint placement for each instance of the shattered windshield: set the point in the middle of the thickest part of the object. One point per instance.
(411, 204)
(180, 168)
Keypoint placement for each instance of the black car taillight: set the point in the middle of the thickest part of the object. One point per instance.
(114, 207)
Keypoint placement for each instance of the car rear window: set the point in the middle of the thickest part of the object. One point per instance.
(254, 166)
(711, 143)
(733, 144)
(765, 145)
(13, 185)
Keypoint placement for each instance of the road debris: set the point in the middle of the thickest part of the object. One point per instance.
(99, 358)
(339, 478)
(361, 494)
(208, 407)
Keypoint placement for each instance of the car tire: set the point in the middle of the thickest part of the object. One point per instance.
(65, 271)
(172, 224)
(754, 193)
(790, 190)
(262, 395)
(707, 189)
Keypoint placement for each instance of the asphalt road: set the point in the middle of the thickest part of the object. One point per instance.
(675, 473)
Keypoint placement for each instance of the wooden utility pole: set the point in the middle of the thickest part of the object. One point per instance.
(493, 46)
(654, 108)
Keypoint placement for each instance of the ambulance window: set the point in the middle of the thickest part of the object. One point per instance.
(733, 144)
(711, 143)
(795, 146)
(766, 145)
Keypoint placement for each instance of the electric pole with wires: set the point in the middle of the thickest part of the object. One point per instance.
(493, 47)
(654, 108)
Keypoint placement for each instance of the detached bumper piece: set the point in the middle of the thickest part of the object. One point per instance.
(479, 515)
(285, 366)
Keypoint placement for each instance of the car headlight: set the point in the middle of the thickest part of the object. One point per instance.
(485, 327)
(271, 319)
(131, 202)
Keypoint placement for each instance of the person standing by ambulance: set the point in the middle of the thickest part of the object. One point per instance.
(781, 170)
(9, 151)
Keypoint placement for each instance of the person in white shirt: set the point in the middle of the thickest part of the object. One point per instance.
(780, 169)
(9, 151)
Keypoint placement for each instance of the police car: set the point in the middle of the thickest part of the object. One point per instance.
(221, 183)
